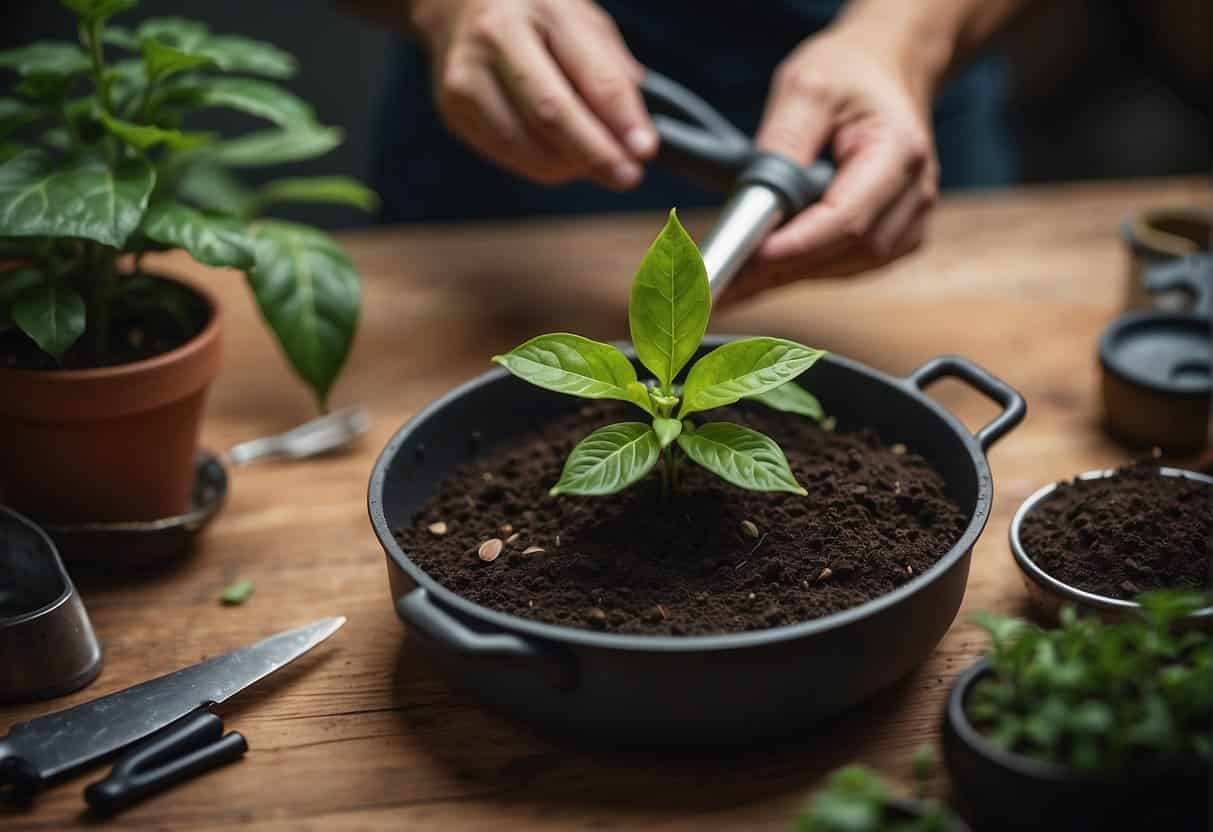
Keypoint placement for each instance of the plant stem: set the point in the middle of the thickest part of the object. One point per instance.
(103, 295)
(669, 473)
(92, 38)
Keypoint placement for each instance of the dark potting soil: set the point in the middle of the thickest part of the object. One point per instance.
(1122, 535)
(630, 563)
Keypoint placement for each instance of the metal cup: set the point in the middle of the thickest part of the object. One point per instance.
(1156, 236)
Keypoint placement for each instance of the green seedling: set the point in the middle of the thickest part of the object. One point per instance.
(1100, 698)
(857, 800)
(99, 166)
(668, 313)
(237, 593)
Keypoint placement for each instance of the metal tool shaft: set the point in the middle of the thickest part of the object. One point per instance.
(752, 212)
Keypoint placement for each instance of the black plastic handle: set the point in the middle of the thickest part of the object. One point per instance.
(191, 745)
(698, 142)
(1014, 408)
(417, 610)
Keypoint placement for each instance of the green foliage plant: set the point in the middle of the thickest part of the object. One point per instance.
(668, 313)
(98, 167)
(1100, 698)
(855, 799)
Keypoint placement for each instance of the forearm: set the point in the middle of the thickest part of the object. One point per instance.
(928, 38)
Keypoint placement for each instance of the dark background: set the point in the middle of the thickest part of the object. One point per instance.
(1100, 89)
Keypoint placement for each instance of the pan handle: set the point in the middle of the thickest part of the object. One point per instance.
(953, 366)
(419, 611)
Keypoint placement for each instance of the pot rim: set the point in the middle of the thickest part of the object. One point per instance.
(1139, 230)
(1068, 592)
(1107, 353)
(696, 643)
(195, 344)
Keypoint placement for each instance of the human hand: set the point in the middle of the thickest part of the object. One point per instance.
(546, 88)
(842, 89)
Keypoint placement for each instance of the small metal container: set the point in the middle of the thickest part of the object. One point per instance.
(47, 644)
(1048, 594)
(1155, 236)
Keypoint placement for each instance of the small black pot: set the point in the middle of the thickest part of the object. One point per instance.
(686, 690)
(1003, 790)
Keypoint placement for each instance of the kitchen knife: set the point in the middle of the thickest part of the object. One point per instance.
(35, 753)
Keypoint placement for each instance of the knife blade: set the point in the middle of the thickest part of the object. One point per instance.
(35, 753)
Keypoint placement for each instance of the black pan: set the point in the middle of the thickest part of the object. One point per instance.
(671, 690)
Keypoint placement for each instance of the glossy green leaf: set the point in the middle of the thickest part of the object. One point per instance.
(213, 240)
(791, 398)
(186, 35)
(214, 188)
(667, 430)
(15, 114)
(577, 366)
(744, 368)
(308, 291)
(609, 460)
(340, 190)
(52, 315)
(263, 99)
(90, 10)
(144, 136)
(163, 60)
(13, 283)
(46, 58)
(237, 593)
(744, 457)
(272, 147)
(233, 53)
(121, 37)
(40, 195)
(670, 303)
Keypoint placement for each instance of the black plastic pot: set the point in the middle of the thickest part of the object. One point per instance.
(1003, 790)
(651, 690)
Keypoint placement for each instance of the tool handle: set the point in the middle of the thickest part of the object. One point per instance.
(18, 779)
(696, 140)
(191, 745)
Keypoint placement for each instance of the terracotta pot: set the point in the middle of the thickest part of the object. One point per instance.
(108, 444)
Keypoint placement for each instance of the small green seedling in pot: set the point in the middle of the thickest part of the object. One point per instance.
(857, 800)
(1100, 698)
(668, 314)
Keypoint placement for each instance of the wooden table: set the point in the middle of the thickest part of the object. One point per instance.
(361, 734)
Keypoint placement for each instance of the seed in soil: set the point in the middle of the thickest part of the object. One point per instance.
(490, 549)
(438, 529)
(513, 537)
(825, 574)
(749, 529)
(533, 550)
(507, 529)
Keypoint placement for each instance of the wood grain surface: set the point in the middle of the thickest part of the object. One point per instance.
(361, 734)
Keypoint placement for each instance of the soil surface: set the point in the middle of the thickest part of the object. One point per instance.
(874, 518)
(1126, 534)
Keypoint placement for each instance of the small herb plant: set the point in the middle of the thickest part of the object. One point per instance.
(857, 800)
(1099, 698)
(98, 167)
(668, 314)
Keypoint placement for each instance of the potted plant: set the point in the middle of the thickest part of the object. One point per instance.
(1102, 538)
(1090, 725)
(103, 365)
(856, 799)
(672, 578)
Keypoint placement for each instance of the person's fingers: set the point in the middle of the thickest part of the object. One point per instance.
(473, 105)
(799, 113)
(866, 184)
(889, 229)
(602, 69)
(552, 108)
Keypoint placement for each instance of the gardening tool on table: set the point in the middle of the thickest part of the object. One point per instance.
(185, 738)
(766, 188)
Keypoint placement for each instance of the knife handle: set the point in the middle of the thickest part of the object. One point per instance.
(191, 745)
(18, 779)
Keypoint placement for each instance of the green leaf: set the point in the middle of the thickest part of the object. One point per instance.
(56, 59)
(144, 136)
(216, 188)
(744, 368)
(577, 366)
(92, 10)
(163, 60)
(791, 398)
(15, 114)
(609, 460)
(341, 190)
(263, 99)
(667, 430)
(308, 291)
(213, 240)
(233, 53)
(80, 198)
(670, 302)
(238, 593)
(744, 457)
(14, 282)
(52, 315)
(186, 35)
(121, 37)
(272, 147)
